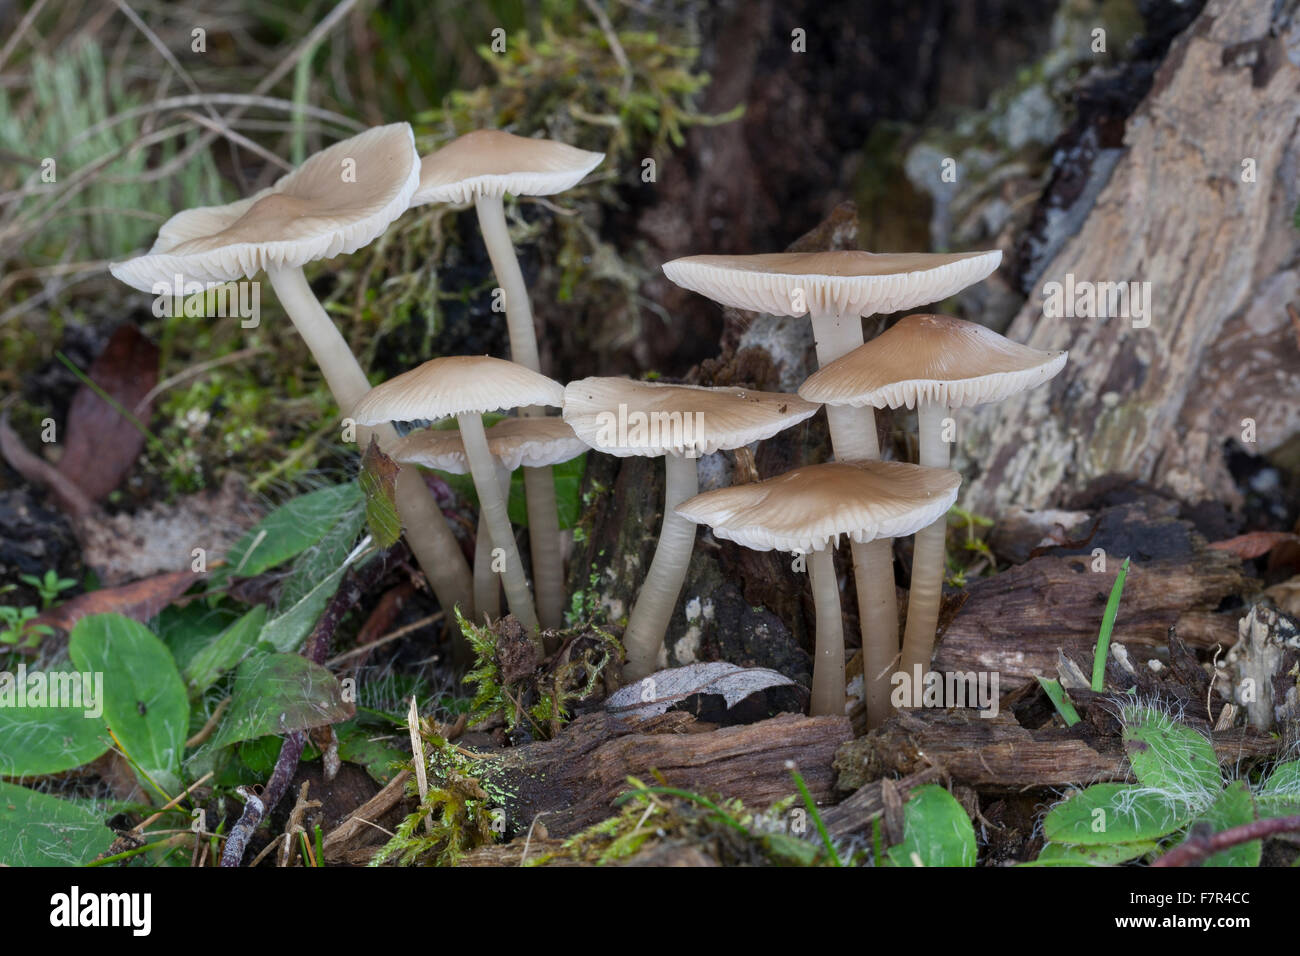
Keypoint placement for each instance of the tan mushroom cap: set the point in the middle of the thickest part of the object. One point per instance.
(623, 417)
(490, 162)
(337, 201)
(809, 508)
(439, 448)
(514, 442)
(840, 283)
(932, 359)
(455, 385)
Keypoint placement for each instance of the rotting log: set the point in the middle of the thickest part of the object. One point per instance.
(1016, 622)
(571, 782)
(1200, 206)
(998, 755)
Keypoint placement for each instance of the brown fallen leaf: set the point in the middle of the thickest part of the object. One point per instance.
(1254, 544)
(139, 600)
(102, 444)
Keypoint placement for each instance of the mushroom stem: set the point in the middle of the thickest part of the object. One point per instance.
(928, 554)
(828, 665)
(492, 504)
(519, 314)
(539, 486)
(663, 583)
(426, 529)
(853, 438)
(544, 545)
(487, 586)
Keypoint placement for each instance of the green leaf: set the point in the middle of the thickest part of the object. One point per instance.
(277, 694)
(1109, 854)
(1112, 813)
(226, 651)
(287, 630)
(1233, 808)
(291, 529)
(1170, 757)
(36, 740)
(378, 481)
(37, 829)
(189, 629)
(372, 747)
(324, 559)
(1283, 781)
(936, 831)
(144, 697)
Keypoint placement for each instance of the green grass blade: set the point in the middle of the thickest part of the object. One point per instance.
(1060, 700)
(1107, 625)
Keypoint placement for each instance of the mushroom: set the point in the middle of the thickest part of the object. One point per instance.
(514, 443)
(805, 511)
(483, 166)
(932, 363)
(680, 423)
(466, 387)
(836, 289)
(336, 202)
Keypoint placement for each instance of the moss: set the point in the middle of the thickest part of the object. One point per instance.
(724, 830)
(534, 698)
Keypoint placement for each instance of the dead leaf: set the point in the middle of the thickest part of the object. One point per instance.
(139, 600)
(1254, 544)
(101, 444)
(714, 691)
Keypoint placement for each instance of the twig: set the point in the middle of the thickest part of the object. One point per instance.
(1196, 848)
(354, 585)
(387, 638)
(615, 47)
(139, 827)
(258, 806)
(19, 33)
(206, 730)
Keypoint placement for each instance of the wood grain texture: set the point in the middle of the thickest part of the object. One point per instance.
(572, 781)
(1159, 402)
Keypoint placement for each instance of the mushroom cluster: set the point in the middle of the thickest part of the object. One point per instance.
(347, 195)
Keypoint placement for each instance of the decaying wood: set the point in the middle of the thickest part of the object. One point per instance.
(571, 782)
(998, 755)
(855, 814)
(1016, 622)
(1199, 205)
(341, 843)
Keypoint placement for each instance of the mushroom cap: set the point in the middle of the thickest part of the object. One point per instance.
(439, 448)
(313, 212)
(932, 359)
(514, 442)
(808, 508)
(624, 418)
(845, 282)
(456, 385)
(490, 162)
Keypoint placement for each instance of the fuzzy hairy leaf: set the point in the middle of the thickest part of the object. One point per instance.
(37, 829)
(1112, 813)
